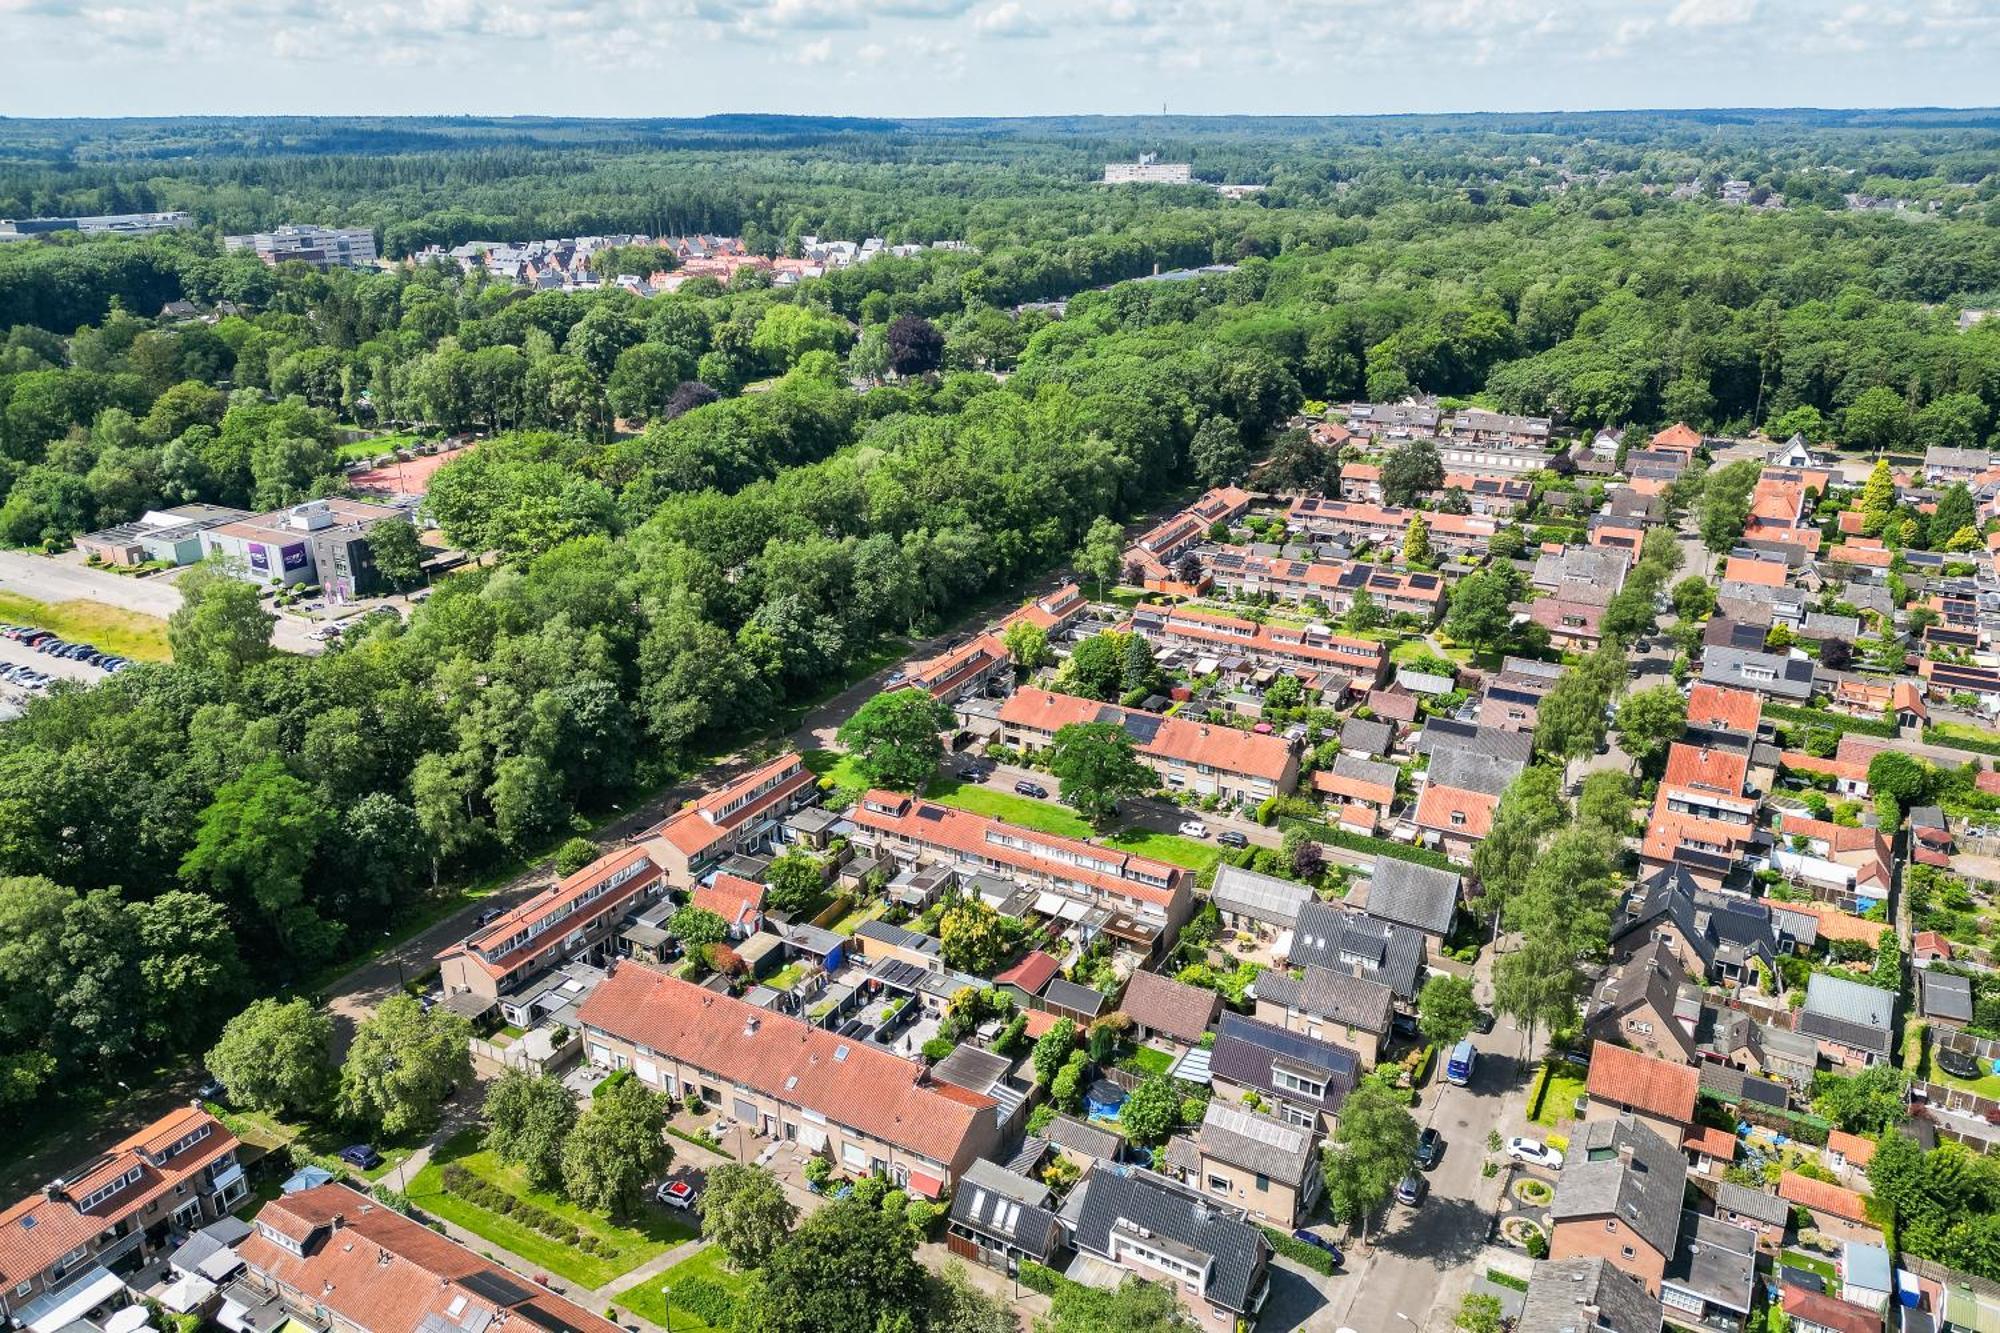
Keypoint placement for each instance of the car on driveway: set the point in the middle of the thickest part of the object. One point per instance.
(676, 1194)
(489, 915)
(1410, 1189)
(1034, 789)
(1232, 838)
(1535, 1153)
(1483, 1023)
(1320, 1243)
(360, 1155)
(1430, 1147)
(1193, 828)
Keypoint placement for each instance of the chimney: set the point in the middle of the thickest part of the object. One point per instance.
(54, 1192)
(339, 1221)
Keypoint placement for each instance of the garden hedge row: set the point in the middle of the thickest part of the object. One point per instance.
(1356, 842)
(477, 1190)
(1829, 720)
(1312, 1256)
(1952, 740)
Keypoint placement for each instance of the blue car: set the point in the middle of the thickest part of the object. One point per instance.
(1321, 1243)
(360, 1155)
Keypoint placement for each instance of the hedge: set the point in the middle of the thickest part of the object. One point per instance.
(1831, 721)
(1540, 1092)
(1953, 740)
(1312, 1256)
(476, 1189)
(1355, 842)
(1037, 1278)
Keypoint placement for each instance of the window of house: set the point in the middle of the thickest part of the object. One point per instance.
(1219, 1184)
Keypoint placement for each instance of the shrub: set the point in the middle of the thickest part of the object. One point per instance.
(937, 1048)
(817, 1170)
(477, 1190)
(1312, 1256)
(611, 1081)
(1037, 1278)
(1538, 1245)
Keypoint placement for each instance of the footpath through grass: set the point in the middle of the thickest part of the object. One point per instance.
(623, 1246)
(708, 1265)
(142, 638)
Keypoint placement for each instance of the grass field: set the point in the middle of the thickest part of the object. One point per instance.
(653, 1233)
(1170, 847)
(842, 768)
(262, 1129)
(709, 1265)
(115, 630)
(373, 446)
(1043, 816)
(1813, 1263)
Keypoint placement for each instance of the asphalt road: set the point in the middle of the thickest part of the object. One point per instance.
(1418, 1264)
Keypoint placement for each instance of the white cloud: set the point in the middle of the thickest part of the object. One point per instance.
(1009, 19)
(1712, 13)
(814, 53)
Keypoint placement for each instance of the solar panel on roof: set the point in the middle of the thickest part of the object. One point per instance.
(495, 1287)
(1297, 1045)
(543, 1319)
(930, 812)
(1295, 570)
(1142, 727)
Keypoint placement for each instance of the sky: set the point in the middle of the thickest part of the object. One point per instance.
(985, 57)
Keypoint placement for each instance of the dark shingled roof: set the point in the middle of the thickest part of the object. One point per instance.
(1239, 1250)
(1644, 1192)
(1561, 1288)
(1413, 895)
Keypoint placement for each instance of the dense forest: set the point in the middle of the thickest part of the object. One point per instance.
(706, 507)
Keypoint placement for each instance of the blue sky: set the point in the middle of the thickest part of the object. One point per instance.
(985, 57)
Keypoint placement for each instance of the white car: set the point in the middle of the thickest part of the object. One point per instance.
(1535, 1153)
(676, 1194)
(1193, 828)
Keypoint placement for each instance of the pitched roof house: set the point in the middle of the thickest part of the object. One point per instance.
(1618, 1198)
(1160, 1006)
(1659, 1094)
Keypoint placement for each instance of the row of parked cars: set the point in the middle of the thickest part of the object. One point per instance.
(43, 641)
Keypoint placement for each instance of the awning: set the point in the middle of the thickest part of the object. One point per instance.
(129, 1319)
(928, 1186)
(187, 1294)
(227, 1178)
(813, 1137)
(63, 1307)
(1049, 904)
(218, 1266)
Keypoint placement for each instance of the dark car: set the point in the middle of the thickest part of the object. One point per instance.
(1410, 1189)
(360, 1155)
(1430, 1147)
(1231, 838)
(1956, 1063)
(1034, 789)
(1483, 1023)
(1319, 1242)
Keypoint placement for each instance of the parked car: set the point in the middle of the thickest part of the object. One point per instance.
(360, 1155)
(1430, 1147)
(1319, 1242)
(1232, 838)
(1193, 828)
(1034, 789)
(488, 916)
(1410, 1189)
(676, 1194)
(1483, 1022)
(1535, 1153)
(211, 1089)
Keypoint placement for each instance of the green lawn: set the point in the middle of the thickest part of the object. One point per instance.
(373, 446)
(654, 1232)
(113, 629)
(268, 1131)
(709, 1265)
(1566, 1084)
(843, 768)
(850, 923)
(1146, 1060)
(1812, 1263)
(1986, 1086)
(786, 977)
(1170, 847)
(1043, 816)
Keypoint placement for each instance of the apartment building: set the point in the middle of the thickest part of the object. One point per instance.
(63, 1248)
(1332, 583)
(1347, 521)
(740, 817)
(1491, 496)
(322, 247)
(1317, 652)
(1052, 612)
(331, 1258)
(1475, 425)
(962, 672)
(869, 1110)
(910, 829)
(577, 918)
(1409, 419)
(1199, 757)
(1148, 170)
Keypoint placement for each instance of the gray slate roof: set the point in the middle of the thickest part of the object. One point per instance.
(996, 1202)
(1944, 995)
(1743, 1200)
(1849, 1013)
(1366, 735)
(1792, 678)
(1351, 1001)
(1359, 944)
(1714, 1260)
(1245, 1050)
(1141, 1198)
(1413, 895)
(1264, 898)
(1081, 1137)
(1471, 770)
(1644, 1193)
(1560, 1288)
(1372, 771)
(1441, 734)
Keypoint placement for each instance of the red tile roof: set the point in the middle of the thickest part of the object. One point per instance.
(1679, 436)
(1712, 1140)
(1821, 1197)
(1219, 747)
(1031, 973)
(1439, 803)
(1745, 569)
(379, 1270)
(37, 1230)
(1722, 707)
(702, 823)
(1329, 783)
(1643, 1082)
(1721, 771)
(996, 842)
(730, 897)
(1820, 1310)
(1856, 1149)
(782, 1057)
(572, 901)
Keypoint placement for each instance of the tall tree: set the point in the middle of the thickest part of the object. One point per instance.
(1411, 471)
(221, 626)
(848, 1266)
(895, 738)
(1371, 1149)
(745, 1211)
(1446, 1010)
(253, 846)
(1101, 556)
(1217, 454)
(1482, 608)
(915, 345)
(404, 1062)
(275, 1056)
(1649, 721)
(1097, 767)
(1417, 544)
(1529, 810)
(618, 1145)
(529, 1117)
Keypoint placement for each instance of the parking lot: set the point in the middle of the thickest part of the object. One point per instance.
(16, 654)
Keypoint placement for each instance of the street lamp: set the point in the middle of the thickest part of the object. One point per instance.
(667, 1295)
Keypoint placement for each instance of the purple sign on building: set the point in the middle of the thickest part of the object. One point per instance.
(259, 561)
(295, 558)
